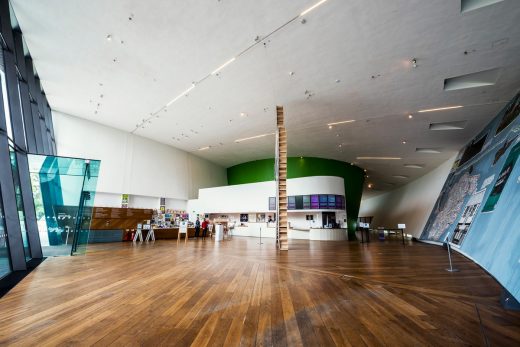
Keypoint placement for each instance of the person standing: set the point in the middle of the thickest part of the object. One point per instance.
(197, 228)
(204, 228)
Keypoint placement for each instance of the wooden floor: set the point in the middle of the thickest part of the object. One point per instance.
(241, 293)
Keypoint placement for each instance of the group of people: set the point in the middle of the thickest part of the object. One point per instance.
(204, 225)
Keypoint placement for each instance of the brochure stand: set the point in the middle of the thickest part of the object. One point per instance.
(139, 233)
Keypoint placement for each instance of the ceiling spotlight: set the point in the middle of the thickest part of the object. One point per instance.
(243, 114)
(403, 142)
(291, 73)
(204, 148)
(414, 62)
(109, 37)
(337, 81)
(301, 157)
(330, 126)
(339, 145)
(370, 185)
(410, 116)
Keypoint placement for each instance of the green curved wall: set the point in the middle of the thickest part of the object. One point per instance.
(263, 170)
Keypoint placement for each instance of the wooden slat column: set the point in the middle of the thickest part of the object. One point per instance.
(281, 180)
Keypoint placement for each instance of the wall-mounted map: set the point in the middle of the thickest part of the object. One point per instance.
(478, 209)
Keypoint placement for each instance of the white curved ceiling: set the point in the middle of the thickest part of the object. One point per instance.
(349, 60)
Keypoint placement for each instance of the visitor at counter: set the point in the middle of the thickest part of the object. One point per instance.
(197, 228)
(205, 224)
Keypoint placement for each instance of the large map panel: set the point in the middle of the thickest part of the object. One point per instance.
(478, 209)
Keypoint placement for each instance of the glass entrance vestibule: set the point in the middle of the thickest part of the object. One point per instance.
(63, 190)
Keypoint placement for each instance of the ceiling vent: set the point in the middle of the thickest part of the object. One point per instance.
(472, 80)
(457, 125)
(470, 5)
(428, 150)
(400, 176)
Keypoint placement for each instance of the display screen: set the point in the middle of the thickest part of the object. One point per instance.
(291, 203)
(311, 202)
(306, 202)
(315, 202)
(324, 202)
(339, 202)
(332, 201)
(299, 202)
(272, 203)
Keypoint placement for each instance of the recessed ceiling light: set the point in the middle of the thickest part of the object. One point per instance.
(224, 65)
(410, 116)
(440, 109)
(342, 122)
(253, 137)
(243, 114)
(312, 7)
(370, 185)
(403, 142)
(204, 148)
(339, 145)
(400, 176)
(181, 95)
(378, 158)
(428, 150)
(414, 166)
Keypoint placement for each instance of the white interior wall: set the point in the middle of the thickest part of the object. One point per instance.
(134, 165)
(254, 197)
(410, 204)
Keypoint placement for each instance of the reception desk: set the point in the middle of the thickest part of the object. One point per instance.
(320, 234)
(326, 234)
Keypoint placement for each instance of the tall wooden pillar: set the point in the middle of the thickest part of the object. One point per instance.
(281, 181)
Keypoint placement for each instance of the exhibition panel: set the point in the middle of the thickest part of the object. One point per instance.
(478, 210)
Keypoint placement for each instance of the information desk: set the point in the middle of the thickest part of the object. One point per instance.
(326, 234)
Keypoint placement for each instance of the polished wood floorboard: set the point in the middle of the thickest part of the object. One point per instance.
(239, 292)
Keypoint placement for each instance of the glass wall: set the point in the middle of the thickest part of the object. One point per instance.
(63, 191)
(19, 204)
(5, 266)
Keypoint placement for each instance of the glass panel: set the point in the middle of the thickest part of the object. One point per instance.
(19, 204)
(6, 105)
(5, 266)
(64, 191)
